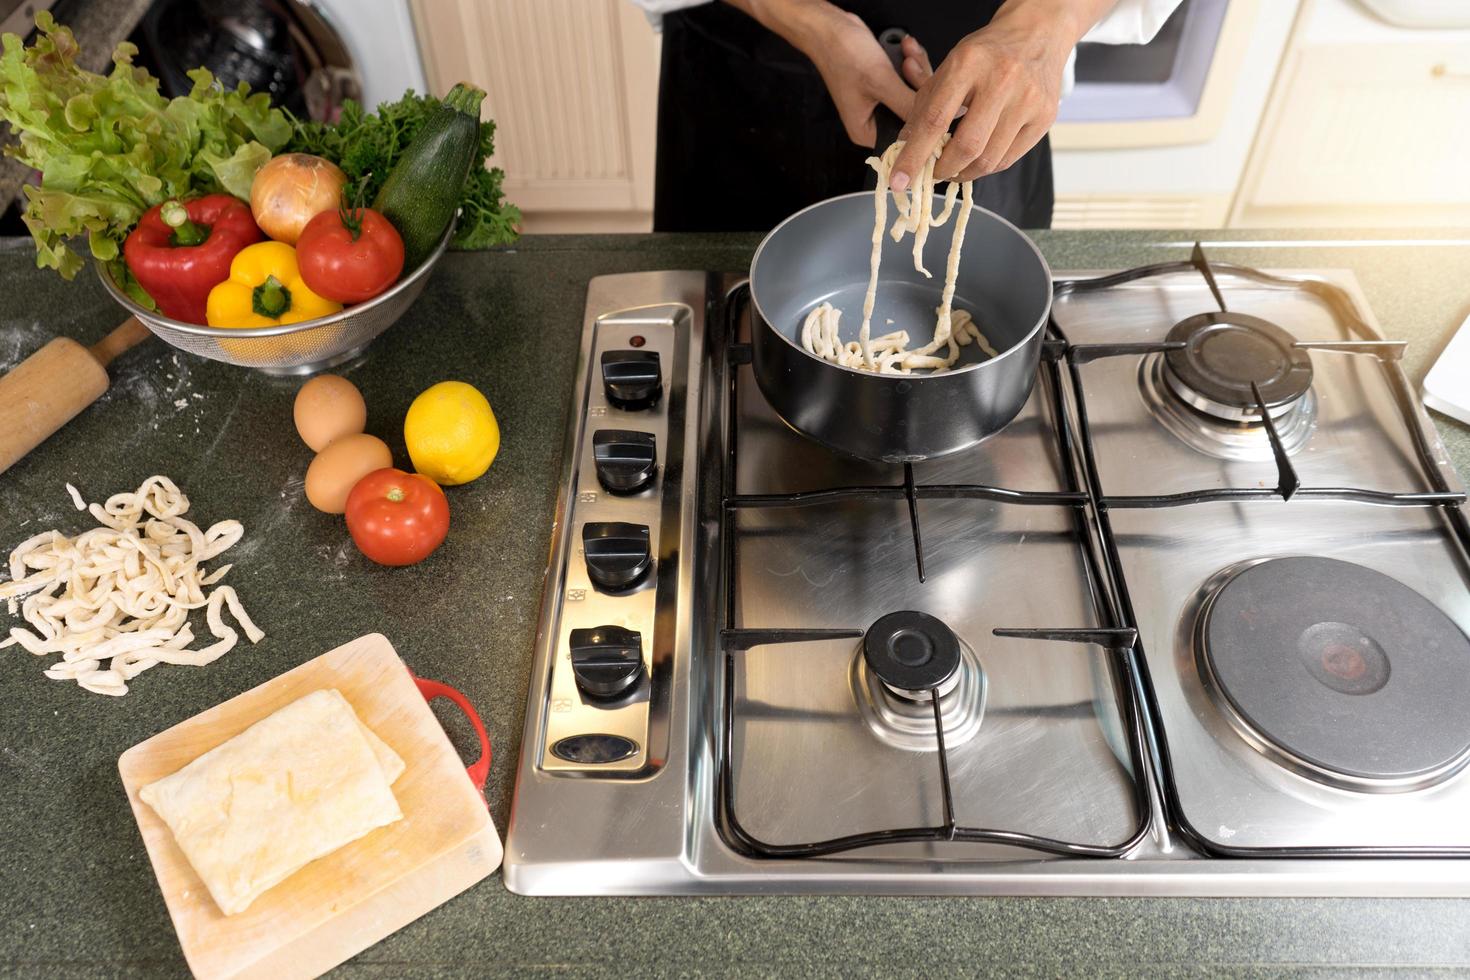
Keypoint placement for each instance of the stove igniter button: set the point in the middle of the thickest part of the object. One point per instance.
(632, 379)
(617, 554)
(607, 661)
(594, 750)
(625, 460)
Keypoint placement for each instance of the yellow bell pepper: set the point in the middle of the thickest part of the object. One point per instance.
(264, 290)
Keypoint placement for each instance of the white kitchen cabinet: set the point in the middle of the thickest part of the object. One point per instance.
(1139, 210)
(1168, 171)
(573, 88)
(1364, 134)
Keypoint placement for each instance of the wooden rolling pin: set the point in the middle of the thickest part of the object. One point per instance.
(49, 388)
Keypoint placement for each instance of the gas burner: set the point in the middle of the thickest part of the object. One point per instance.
(1337, 672)
(1243, 440)
(905, 660)
(1224, 354)
(913, 653)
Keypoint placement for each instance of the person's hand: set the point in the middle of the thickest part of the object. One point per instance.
(1005, 80)
(916, 67)
(859, 75)
(853, 65)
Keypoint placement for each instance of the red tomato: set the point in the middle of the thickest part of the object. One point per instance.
(349, 255)
(397, 518)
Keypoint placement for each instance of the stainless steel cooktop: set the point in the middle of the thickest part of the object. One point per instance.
(1138, 642)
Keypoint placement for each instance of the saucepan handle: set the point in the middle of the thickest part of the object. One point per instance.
(886, 119)
(888, 126)
(480, 770)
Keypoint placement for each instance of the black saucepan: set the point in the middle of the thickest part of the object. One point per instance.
(821, 254)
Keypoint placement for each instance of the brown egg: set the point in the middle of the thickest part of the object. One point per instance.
(328, 408)
(336, 469)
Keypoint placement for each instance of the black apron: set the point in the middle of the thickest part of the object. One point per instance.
(748, 135)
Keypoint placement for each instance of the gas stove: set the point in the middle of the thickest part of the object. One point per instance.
(1193, 623)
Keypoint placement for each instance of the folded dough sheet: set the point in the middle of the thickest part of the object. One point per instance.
(289, 789)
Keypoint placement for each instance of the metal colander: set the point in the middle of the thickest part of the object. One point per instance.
(297, 348)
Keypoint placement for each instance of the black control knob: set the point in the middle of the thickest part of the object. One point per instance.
(607, 661)
(617, 554)
(625, 460)
(632, 379)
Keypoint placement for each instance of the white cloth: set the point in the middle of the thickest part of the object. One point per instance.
(1129, 22)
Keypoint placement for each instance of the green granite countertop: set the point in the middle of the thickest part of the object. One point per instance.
(77, 895)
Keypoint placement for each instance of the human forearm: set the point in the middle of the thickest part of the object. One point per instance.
(804, 24)
(853, 65)
(1059, 22)
(1006, 79)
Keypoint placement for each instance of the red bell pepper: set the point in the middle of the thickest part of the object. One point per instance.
(179, 252)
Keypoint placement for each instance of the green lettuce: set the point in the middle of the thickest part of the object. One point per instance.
(111, 146)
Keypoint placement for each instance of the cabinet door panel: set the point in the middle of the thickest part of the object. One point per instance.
(1365, 134)
(572, 86)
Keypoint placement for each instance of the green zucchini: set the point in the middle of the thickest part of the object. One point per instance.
(424, 187)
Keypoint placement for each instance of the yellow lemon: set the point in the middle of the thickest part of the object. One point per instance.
(451, 433)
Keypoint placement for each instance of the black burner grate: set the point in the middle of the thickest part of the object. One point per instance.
(1388, 354)
(736, 641)
(1150, 761)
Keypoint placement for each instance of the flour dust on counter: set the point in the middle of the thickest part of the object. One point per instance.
(168, 384)
(292, 500)
(19, 341)
(166, 399)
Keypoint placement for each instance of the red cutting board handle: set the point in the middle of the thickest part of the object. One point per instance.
(480, 770)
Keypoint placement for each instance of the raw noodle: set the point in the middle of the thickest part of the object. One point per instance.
(889, 354)
(125, 590)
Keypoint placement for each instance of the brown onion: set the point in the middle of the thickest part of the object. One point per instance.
(292, 189)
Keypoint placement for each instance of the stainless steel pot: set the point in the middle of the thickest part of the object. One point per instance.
(821, 254)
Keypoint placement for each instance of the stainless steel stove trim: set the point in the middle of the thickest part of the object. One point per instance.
(1179, 876)
(643, 719)
(654, 835)
(561, 817)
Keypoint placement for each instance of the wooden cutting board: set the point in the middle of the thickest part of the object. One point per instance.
(340, 904)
